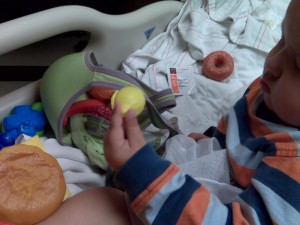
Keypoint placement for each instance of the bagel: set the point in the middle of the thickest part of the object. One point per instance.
(32, 184)
(218, 65)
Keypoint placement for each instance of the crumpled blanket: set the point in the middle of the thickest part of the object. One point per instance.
(205, 161)
(78, 171)
(247, 29)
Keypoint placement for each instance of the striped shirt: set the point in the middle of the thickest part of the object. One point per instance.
(264, 157)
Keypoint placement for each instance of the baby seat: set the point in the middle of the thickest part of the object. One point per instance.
(112, 39)
(68, 80)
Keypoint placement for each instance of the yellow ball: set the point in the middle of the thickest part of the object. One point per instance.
(129, 98)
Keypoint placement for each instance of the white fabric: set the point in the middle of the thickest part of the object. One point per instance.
(247, 29)
(78, 172)
(205, 161)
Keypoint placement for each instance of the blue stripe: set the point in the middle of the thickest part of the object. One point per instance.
(247, 138)
(229, 220)
(221, 138)
(241, 111)
(247, 90)
(145, 165)
(214, 132)
(282, 184)
(174, 205)
(253, 199)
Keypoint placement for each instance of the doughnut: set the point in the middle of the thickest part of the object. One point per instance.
(32, 184)
(218, 65)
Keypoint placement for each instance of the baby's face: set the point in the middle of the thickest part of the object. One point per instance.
(281, 79)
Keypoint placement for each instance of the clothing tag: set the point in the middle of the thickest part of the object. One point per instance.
(181, 80)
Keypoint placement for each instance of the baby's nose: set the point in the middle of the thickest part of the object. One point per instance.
(273, 66)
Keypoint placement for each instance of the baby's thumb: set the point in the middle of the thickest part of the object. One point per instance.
(133, 131)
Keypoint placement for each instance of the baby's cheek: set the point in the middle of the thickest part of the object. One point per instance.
(288, 109)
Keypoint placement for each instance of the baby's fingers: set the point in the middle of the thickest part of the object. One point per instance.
(116, 119)
(133, 131)
(197, 136)
(115, 131)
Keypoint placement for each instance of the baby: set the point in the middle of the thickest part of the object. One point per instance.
(261, 134)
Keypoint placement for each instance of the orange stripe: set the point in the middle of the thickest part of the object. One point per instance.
(254, 87)
(195, 209)
(238, 217)
(241, 174)
(154, 188)
(286, 149)
(222, 125)
(285, 145)
(257, 127)
(288, 165)
(283, 137)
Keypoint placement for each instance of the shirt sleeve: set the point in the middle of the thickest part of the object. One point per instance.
(160, 193)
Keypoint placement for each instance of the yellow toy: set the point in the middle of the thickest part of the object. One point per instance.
(129, 98)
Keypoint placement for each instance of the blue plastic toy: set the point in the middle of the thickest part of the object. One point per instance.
(23, 120)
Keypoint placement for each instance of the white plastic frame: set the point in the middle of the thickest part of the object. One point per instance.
(113, 37)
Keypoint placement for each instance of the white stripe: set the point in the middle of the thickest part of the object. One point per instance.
(216, 212)
(241, 154)
(294, 133)
(153, 207)
(280, 211)
(278, 128)
(248, 212)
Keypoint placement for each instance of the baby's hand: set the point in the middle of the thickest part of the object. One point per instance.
(123, 138)
(197, 136)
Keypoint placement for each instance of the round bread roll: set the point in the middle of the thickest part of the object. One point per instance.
(32, 184)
